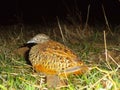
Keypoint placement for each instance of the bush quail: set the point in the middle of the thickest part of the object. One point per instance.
(53, 58)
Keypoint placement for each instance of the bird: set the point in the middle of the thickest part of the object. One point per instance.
(53, 58)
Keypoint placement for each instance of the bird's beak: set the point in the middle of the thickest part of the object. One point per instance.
(31, 41)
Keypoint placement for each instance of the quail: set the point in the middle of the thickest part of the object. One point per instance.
(51, 57)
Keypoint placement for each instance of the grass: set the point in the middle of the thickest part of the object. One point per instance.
(16, 74)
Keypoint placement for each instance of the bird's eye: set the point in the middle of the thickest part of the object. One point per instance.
(36, 39)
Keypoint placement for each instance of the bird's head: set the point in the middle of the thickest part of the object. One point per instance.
(39, 38)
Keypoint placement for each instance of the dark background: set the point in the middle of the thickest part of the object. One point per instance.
(39, 11)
